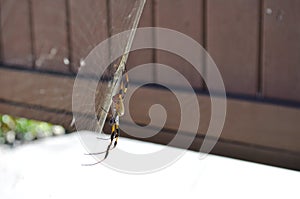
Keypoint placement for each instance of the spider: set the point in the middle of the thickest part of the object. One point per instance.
(118, 110)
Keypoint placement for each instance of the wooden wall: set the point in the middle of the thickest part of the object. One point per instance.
(255, 44)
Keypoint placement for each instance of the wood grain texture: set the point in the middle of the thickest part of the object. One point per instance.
(15, 27)
(233, 42)
(50, 35)
(185, 17)
(88, 21)
(281, 37)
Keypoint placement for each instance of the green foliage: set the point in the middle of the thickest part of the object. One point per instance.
(21, 129)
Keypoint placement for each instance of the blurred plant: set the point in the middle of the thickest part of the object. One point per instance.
(13, 130)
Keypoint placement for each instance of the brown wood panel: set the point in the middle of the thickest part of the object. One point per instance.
(143, 56)
(224, 147)
(44, 90)
(50, 35)
(122, 14)
(88, 21)
(246, 122)
(233, 42)
(40, 93)
(16, 36)
(253, 123)
(253, 131)
(257, 132)
(281, 42)
(186, 17)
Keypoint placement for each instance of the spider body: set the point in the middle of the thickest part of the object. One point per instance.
(118, 110)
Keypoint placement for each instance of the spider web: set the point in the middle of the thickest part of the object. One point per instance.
(57, 37)
(122, 16)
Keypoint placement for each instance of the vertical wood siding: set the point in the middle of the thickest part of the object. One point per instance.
(16, 34)
(281, 49)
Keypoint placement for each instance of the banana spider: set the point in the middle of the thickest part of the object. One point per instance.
(118, 110)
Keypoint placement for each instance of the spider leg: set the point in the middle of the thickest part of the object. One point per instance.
(98, 117)
(106, 154)
(115, 123)
(107, 151)
(124, 86)
(114, 136)
(92, 163)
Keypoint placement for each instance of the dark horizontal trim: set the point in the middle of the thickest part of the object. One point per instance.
(32, 70)
(54, 73)
(265, 100)
(35, 107)
(249, 98)
(256, 99)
